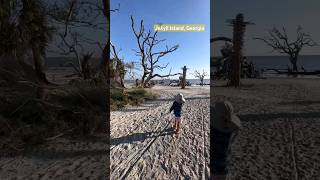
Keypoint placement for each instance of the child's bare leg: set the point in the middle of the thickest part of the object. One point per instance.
(178, 127)
(174, 124)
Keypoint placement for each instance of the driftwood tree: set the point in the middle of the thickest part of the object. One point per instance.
(280, 42)
(200, 75)
(36, 25)
(73, 20)
(224, 66)
(131, 68)
(149, 59)
(239, 26)
(184, 77)
(117, 67)
(226, 51)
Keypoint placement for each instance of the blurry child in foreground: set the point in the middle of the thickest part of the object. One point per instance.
(177, 108)
(225, 126)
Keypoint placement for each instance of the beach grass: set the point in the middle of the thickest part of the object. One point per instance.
(119, 97)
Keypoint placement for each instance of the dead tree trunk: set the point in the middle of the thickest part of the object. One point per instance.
(201, 76)
(37, 60)
(41, 76)
(85, 66)
(149, 59)
(294, 60)
(105, 128)
(238, 33)
(184, 74)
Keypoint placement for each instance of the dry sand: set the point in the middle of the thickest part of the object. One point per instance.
(60, 159)
(281, 137)
(144, 147)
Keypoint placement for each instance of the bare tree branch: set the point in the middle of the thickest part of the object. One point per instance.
(280, 42)
(149, 60)
(201, 76)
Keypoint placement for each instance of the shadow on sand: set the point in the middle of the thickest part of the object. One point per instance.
(42, 154)
(63, 154)
(275, 116)
(300, 103)
(133, 109)
(141, 136)
(188, 98)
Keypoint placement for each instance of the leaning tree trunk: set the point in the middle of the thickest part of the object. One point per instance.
(184, 74)
(294, 61)
(146, 81)
(41, 76)
(122, 82)
(37, 60)
(238, 33)
(143, 79)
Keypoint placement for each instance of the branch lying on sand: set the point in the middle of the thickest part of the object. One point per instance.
(163, 76)
(33, 84)
(53, 87)
(36, 100)
(59, 135)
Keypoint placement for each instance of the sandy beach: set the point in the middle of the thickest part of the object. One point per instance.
(280, 137)
(144, 147)
(60, 159)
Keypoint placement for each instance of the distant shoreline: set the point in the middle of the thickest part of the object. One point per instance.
(166, 81)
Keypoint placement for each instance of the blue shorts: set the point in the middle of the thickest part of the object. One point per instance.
(177, 119)
(177, 114)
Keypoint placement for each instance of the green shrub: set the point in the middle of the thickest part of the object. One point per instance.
(141, 94)
(119, 98)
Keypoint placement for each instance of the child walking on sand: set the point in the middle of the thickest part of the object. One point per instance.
(224, 128)
(177, 108)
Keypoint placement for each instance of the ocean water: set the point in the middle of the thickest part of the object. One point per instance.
(192, 81)
(197, 81)
(309, 62)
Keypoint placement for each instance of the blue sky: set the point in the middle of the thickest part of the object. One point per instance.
(266, 14)
(194, 47)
